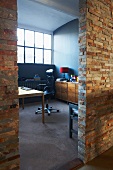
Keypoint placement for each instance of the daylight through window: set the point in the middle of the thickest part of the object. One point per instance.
(33, 47)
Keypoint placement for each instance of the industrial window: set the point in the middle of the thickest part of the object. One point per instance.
(33, 47)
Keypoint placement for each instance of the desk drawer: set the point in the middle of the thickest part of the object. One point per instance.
(71, 89)
(63, 88)
(76, 88)
(71, 85)
(71, 99)
(58, 95)
(64, 96)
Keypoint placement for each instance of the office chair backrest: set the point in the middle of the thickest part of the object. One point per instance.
(50, 79)
(49, 91)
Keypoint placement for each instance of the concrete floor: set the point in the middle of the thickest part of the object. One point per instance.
(45, 146)
(102, 162)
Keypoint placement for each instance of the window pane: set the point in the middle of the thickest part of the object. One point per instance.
(38, 56)
(29, 55)
(20, 54)
(47, 41)
(20, 35)
(38, 40)
(29, 38)
(47, 56)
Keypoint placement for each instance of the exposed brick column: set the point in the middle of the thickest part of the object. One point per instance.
(82, 81)
(96, 90)
(9, 117)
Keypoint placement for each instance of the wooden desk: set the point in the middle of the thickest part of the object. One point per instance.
(31, 93)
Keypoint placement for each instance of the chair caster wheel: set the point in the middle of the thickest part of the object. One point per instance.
(57, 110)
(48, 114)
(36, 112)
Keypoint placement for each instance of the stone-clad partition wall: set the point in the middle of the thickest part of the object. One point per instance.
(9, 117)
(82, 81)
(95, 131)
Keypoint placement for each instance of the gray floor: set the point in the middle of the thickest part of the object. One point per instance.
(45, 146)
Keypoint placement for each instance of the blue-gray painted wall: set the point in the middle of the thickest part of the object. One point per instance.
(66, 48)
(28, 70)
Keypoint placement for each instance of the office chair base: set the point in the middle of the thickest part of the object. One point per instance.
(46, 110)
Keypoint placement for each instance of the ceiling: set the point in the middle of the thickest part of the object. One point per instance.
(46, 14)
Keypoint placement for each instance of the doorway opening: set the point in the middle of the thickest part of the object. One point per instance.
(32, 131)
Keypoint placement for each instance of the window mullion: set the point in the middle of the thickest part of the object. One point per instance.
(43, 48)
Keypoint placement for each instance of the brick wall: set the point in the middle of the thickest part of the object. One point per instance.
(95, 78)
(95, 132)
(9, 117)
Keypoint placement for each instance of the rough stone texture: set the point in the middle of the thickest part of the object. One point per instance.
(95, 78)
(9, 117)
(95, 131)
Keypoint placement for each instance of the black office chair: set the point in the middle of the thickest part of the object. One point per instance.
(49, 92)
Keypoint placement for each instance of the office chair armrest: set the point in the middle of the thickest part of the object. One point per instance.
(47, 88)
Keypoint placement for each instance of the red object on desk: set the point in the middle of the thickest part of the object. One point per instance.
(64, 69)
